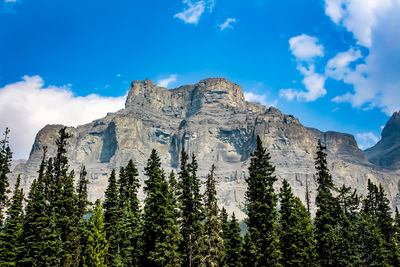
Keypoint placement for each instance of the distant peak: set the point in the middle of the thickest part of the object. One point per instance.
(144, 82)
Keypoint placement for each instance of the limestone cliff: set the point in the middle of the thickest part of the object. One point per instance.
(212, 120)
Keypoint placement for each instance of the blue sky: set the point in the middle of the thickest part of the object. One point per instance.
(334, 64)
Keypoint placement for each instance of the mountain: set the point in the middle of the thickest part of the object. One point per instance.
(386, 153)
(212, 120)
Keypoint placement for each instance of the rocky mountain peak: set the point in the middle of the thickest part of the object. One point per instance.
(185, 100)
(392, 127)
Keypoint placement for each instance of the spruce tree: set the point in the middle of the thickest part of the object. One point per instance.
(214, 250)
(160, 232)
(10, 238)
(5, 160)
(296, 233)
(41, 242)
(191, 211)
(346, 243)
(372, 247)
(262, 214)
(82, 192)
(112, 215)
(130, 222)
(233, 244)
(327, 211)
(97, 244)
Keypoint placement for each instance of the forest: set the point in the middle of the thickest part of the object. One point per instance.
(178, 224)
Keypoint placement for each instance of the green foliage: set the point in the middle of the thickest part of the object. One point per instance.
(296, 233)
(160, 232)
(5, 160)
(262, 219)
(214, 250)
(96, 243)
(233, 244)
(82, 192)
(10, 238)
(112, 217)
(327, 211)
(191, 211)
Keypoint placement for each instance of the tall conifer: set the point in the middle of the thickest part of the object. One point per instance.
(261, 206)
(10, 238)
(214, 250)
(296, 233)
(191, 211)
(5, 160)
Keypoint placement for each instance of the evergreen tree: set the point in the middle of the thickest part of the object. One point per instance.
(346, 243)
(191, 211)
(82, 192)
(160, 232)
(397, 227)
(327, 212)
(262, 214)
(233, 244)
(130, 224)
(112, 215)
(41, 243)
(214, 252)
(296, 233)
(11, 235)
(97, 244)
(5, 160)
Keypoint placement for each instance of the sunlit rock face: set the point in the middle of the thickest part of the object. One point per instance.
(386, 153)
(211, 120)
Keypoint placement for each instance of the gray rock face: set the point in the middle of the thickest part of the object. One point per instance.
(212, 120)
(386, 153)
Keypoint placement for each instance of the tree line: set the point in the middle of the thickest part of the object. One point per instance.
(178, 225)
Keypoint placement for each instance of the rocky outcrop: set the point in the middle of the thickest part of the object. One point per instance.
(386, 153)
(212, 120)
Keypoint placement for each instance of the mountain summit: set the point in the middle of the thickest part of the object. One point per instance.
(211, 120)
(386, 153)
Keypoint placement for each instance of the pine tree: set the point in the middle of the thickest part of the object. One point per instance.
(214, 252)
(97, 244)
(346, 231)
(112, 217)
(261, 205)
(160, 232)
(191, 211)
(233, 244)
(5, 160)
(130, 224)
(11, 236)
(327, 211)
(82, 192)
(41, 243)
(296, 233)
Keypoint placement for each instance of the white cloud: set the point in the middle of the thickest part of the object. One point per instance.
(357, 16)
(26, 106)
(375, 25)
(305, 47)
(339, 66)
(165, 82)
(10, 1)
(259, 98)
(227, 24)
(192, 13)
(366, 140)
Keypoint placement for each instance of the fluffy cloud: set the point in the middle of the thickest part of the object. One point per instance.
(192, 13)
(357, 16)
(227, 24)
(366, 140)
(259, 98)
(26, 106)
(165, 82)
(306, 49)
(339, 66)
(375, 25)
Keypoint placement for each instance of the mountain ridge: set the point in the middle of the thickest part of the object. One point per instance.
(212, 120)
